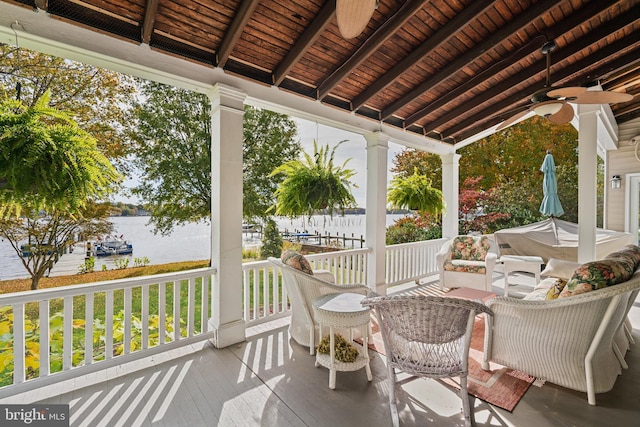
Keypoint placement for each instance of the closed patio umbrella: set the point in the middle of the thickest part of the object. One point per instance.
(550, 205)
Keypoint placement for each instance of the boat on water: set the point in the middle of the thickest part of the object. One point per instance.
(112, 245)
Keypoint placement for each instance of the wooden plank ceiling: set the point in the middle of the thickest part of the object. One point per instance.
(447, 69)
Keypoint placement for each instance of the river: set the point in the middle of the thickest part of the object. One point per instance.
(189, 242)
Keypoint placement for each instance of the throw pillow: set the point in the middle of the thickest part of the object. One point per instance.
(560, 269)
(297, 261)
(632, 251)
(597, 275)
(556, 288)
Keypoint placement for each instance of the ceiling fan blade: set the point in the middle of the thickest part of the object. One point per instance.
(564, 115)
(511, 120)
(602, 97)
(353, 16)
(566, 92)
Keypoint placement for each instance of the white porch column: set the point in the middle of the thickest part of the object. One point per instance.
(376, 217)
(226, 214)
(450, 189)
(587, 181)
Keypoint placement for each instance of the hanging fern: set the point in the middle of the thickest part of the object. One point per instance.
(314, 184)
(415, 193)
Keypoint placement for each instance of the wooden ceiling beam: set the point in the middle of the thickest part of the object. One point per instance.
(443, 34)
(305, 41)
(532, 46)
(525, 93)
(233, 33)
(575, 68)
(517, 24)
(370, 45)
(150, 12)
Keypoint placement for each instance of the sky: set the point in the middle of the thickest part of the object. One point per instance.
(354, 148)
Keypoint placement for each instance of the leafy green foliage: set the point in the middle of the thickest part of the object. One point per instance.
(415, 193)
(48, 162)
(269, 141)
(413, 229)
(271, 241)
(314, 184)
(172, 149)
(98, 98)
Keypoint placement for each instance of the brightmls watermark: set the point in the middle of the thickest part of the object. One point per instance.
(53, 415)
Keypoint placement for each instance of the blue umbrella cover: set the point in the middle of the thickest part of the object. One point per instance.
(550, 205)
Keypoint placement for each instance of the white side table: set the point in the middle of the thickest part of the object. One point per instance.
(343, 311)
(528, 264)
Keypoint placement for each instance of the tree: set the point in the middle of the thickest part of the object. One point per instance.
(269, 141)
(506, 165)
(171, 148)
(314, 184)
(96, 98)
(51, 173)
(272, 240)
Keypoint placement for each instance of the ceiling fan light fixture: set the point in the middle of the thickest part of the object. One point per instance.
(353, 16)
(547, 109)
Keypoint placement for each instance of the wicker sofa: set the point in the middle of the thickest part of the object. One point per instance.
(577, 342)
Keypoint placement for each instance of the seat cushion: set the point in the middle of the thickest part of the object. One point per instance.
(297, 261)
(464, 266)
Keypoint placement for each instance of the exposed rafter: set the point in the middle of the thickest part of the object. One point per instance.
(306, 40)
(441, 36)
(242, 16)
(370, 45)
(150, 11)
(532, 47)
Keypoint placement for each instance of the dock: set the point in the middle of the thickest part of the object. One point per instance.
(69, 262)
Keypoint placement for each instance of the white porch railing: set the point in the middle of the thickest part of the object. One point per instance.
(131, 318)
(411, 261)
(134, 318)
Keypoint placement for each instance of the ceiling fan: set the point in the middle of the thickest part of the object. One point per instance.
(354, 15)
(552, 102)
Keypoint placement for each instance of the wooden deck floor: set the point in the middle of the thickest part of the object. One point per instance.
(270, 380)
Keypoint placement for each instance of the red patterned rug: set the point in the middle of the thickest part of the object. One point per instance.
(500, 386)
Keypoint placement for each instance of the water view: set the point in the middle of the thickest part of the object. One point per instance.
(190, 242)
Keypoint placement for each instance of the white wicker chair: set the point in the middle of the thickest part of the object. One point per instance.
(568, 341)
(428, 337)
(303, 289)
(458, 271)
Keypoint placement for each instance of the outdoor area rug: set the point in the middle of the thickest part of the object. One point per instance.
(501, 387)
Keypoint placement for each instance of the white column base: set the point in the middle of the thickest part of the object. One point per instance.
(227, 334)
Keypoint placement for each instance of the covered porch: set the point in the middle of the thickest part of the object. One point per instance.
(236, 365)
(271, 380)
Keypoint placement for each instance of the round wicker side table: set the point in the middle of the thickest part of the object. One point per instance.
(343, 311)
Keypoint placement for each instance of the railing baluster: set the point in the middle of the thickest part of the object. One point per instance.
(19, 344)
(204, 314)
(127, 320)
(144, 339)
(45, 369)
(67, 347)
(88, 329)
(177, 334)
(191, 307)
(108, 325)
(162, 312)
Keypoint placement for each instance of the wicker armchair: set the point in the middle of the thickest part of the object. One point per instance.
(303, 289)
(576, 342)
(467, 261)
(427, 337)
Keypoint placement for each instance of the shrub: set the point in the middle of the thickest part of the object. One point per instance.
(272, 241)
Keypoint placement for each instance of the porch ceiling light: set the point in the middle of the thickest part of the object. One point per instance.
(548, 108)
